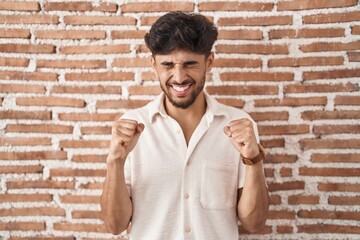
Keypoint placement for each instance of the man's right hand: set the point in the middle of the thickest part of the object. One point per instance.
(125, 135)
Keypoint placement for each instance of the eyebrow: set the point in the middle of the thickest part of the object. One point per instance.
(191, 62)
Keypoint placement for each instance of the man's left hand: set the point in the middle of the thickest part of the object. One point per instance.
(242, 136)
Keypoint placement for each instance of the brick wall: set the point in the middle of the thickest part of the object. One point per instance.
(68, 69)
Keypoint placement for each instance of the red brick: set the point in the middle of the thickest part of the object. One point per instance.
(273, 143)
(132, 62)
(29, 19)
(14, 33)
(50, 101)
(86, 214)
(157, 7)
(80, 199)
(66, 172)
(257, 76)
(238, 62)
(36, 155)
(305, 61)
(14, 62)
(295, 185)
(327, 172)
(144, 90)
(280, 158)
(80, 227)
(334, 158)
(128, 34)
(313, 4)
(39, 128)
(35, 211)
(345, 200)
(303, 199)
(25, 197)
(96, 130)
(242, 90)
(269, 172)
(354, 56)
(329, 46)
(22, 88)
(32, 76)
(336, 129)
(348, 16)
(80, 6)
(286, 172)
(100, 76)
(347, 100)
(148, 20)
(84, 143)
(22, 226)
(265, 230)
(238, 103)
(283, 229)
(21, 170)
(307, 33)
(275, 199)
(19, 6)
(38, 115)
(96, 117)
(97, 89)
(281, 214)
(243, 34)
(339, 187)
(83, 64)
(40, 184)
(355, 30)
(327, 88)
(132, 103)
(26, 48)
(322, 214)
(256, 21)
(269, 116)
(96, 49)
(318, 115)
(99, 20)
(90, 158)
(24, 141)
(330, 143)
(328, 228)
(331, 74)
(291, 102)
(43, 237)
(235, 6)
(70, 34)
(264, 49)
(283, 129)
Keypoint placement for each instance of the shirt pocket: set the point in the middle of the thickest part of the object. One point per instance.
(218, 185)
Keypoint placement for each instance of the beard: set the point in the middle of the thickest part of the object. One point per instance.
(188, 102)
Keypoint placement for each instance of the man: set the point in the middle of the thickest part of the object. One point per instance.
(175, 168)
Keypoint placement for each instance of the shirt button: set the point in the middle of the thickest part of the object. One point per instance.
(186, 196)
(178, 131)
(187, 229)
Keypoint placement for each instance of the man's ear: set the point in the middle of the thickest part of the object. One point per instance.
(153, 65)
(210, 61)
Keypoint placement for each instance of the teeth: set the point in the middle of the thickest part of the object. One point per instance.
(180, 88)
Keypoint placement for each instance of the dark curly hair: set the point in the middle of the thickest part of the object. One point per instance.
(179, 30)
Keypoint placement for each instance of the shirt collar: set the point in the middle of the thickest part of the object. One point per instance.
(214, 108)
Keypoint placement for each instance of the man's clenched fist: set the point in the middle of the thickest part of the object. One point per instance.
(125, 135)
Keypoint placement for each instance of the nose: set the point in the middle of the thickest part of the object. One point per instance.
(179, 73)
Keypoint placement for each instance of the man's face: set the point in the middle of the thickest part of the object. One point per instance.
(182, 75)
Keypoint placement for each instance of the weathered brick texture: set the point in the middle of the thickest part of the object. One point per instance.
(70, 68)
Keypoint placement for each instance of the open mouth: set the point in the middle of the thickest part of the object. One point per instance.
(181, 90)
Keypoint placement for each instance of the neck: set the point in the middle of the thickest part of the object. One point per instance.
(192, 113)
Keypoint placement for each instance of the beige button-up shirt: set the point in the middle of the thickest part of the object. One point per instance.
(179, 191)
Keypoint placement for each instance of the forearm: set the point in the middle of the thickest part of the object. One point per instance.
(254, 201)
(116, 205)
